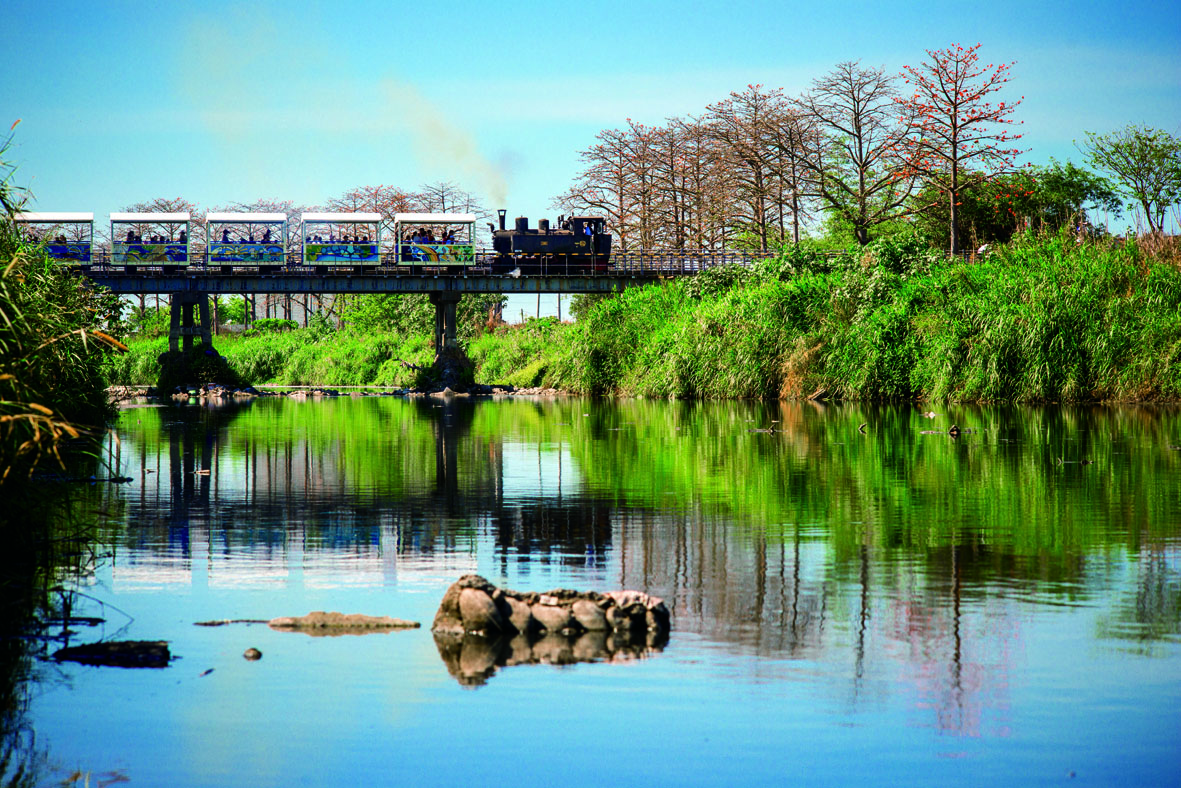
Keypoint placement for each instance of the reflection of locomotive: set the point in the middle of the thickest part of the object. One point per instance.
(579, 243)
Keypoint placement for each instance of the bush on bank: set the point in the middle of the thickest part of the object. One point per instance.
(302, 357)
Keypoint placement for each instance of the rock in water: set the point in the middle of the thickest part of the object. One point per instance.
(473, 605)
(479, 612)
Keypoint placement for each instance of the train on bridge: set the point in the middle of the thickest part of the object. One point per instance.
(323, 243)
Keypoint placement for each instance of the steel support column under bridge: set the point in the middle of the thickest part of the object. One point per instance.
(445, 318)
(181, 328)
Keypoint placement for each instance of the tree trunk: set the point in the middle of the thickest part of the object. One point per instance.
(954, 195)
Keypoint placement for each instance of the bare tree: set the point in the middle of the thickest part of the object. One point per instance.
(958, 139)
(788, 136)
(855, 162)
(604, 187)
(739, 124)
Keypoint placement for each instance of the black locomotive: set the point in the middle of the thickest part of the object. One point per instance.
(579, 244)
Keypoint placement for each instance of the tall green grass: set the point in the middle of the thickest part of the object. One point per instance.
(305, 357)
(1043, 319)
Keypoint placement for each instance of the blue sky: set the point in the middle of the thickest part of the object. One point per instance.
(231, 102)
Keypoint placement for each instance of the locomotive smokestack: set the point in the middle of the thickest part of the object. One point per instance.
(501, 214)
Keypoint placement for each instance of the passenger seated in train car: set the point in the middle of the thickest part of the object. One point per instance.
(225, 235)
(184, 237)
(131, 236)
(266, 237)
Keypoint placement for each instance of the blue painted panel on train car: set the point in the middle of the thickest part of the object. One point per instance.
(148, 254)
(435, 254)
(75, 252)
(246, 254)
(351, 254)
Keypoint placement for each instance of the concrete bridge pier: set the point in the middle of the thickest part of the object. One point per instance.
(181, 328)
(445, 319)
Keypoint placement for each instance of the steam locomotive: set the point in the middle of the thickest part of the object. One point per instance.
(578, 244)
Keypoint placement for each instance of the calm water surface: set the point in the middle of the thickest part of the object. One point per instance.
(848, 608)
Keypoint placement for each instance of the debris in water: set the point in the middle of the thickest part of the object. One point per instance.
(320, 623)
(119, 654)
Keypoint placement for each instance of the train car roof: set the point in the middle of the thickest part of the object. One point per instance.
(245, 218)
(50, 217)
(341, 218)
(435, 218)
(179, 216)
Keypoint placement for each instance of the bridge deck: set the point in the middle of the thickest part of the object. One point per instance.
(530, 276)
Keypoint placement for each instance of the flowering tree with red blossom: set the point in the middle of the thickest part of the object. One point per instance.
(959, 138)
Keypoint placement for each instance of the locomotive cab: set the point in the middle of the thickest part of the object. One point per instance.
(578, 244)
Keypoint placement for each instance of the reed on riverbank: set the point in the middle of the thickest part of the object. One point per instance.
(52, 384)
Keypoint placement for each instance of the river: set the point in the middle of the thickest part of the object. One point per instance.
(857, 597)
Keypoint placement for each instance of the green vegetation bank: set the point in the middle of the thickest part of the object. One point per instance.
(1045, 318)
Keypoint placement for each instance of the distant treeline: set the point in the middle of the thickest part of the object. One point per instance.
(858, 154)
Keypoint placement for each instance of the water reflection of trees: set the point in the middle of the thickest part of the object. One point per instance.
(895, 552)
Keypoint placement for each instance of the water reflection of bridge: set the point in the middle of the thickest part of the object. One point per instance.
(199, 475)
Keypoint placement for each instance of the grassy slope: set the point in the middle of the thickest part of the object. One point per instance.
(1043, 319)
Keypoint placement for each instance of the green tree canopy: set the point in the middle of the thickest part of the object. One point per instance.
(1146, 163)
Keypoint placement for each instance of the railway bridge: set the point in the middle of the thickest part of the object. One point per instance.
(348, 253)
(189, 286)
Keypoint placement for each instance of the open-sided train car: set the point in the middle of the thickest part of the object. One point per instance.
(434, 239)
(246, 239)
(341, 239)
(579, 244)
(68, 237)
(150, 239)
